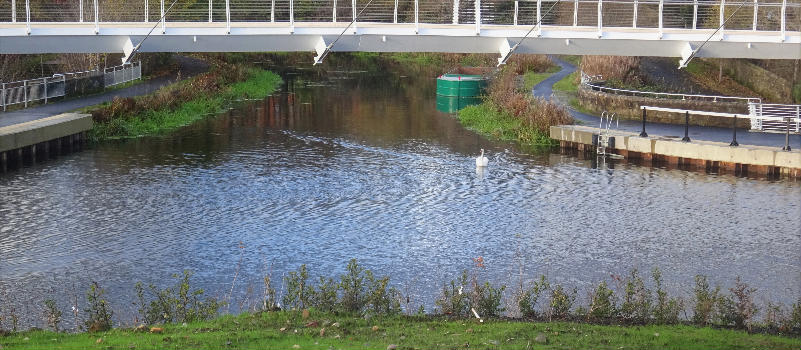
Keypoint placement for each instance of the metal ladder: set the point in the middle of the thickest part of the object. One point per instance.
(603, 135)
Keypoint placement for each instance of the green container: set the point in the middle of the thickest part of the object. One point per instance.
(460, 85)
(452, 104)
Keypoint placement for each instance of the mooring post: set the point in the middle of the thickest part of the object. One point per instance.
(643, 133)
(787, 136)
(734, 133)
(686, 137)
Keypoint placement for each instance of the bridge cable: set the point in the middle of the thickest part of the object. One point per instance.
(503, 60)
(135, 49)
(692, 55)
(330, 46)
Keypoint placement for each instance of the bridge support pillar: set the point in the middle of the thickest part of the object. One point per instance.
(505, 50)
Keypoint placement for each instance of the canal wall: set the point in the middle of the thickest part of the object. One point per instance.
(746, 160)
(628, 107)
(37, 140)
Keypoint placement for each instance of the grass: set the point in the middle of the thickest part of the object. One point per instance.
(490, 121)
(259, 84)
(531, 78)
(572, 59)
(568, 83)
(287, 330)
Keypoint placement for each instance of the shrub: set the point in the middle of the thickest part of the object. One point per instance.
(453, 301)
(178, 303)
(52, 314)
(624, 69)
(298, 293)
(380, 298)
(795, 315)
(666, 310)
(353, 287)
(486, 300)
(528, 300)
(705, 300)
(636, 306)
(737, 308)
(269, 302)
(324, 296)
(561, 302)
(602, 303)
(98, 311)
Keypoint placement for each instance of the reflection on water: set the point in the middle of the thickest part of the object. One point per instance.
(363, 166)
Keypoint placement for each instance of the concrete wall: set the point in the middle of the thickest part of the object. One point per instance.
(42, 130)
(628, 107)
(745, 159)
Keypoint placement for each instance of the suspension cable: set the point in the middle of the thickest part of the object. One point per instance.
(135, 49)
(331, 45)
(538, 24)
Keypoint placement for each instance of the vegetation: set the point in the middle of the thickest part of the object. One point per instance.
(511, 114)
(360, 309)
(532, 78)
(318, 330)
(568, 83)
(182, 103)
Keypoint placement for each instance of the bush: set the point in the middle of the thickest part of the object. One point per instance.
(602, 303)
(666, 310)
(353, 287)
(453, 299)
(561, 302)
(324, 296)
(179, 303)
(528, 300)
(380, 298)
(738, 308)
(298, 293)
(98, 311)
(52, 314)
(636, 306)
(705, 300)
(486, 300)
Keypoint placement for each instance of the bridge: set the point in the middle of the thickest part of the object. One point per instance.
(668, 28)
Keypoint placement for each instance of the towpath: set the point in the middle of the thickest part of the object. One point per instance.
(188, 67)
(545, 89)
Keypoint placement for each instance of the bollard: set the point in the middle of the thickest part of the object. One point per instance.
(686, 137)
(787, 137)
(643, 133)
(734, 133)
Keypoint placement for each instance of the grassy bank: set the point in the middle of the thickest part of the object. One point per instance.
(289, 329)
(492, 121)
(510, 113)
(181, 104)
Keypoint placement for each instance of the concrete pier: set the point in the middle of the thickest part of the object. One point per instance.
(41, 139)
(745, 160)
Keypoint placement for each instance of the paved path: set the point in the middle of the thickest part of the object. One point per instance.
(188, 67)
(545, 89)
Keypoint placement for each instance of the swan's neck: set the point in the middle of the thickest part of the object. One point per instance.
(482, 153)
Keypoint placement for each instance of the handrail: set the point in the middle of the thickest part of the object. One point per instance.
(770, 16)
(587, 81)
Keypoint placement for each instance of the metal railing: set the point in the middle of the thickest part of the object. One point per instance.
(591, 82)
(43, 89)
(775, 16)
(775, 117)
(26, 91)
(122, 74)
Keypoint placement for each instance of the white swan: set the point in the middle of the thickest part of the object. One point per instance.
(482, 161)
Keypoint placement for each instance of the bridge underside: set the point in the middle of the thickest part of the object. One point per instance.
(259, 37)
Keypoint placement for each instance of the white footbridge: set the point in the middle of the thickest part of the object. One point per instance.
(667, 28)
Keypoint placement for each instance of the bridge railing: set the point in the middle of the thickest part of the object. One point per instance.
(122, 74)
(757, 15)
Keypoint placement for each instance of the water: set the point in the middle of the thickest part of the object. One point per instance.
(363, 166)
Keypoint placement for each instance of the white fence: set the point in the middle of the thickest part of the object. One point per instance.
(122, 74)
(43, 89)
(591, 82)
(775, 117)
(763, 116)
(25, 91)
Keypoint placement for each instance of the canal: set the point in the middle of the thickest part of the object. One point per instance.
(361, 165)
